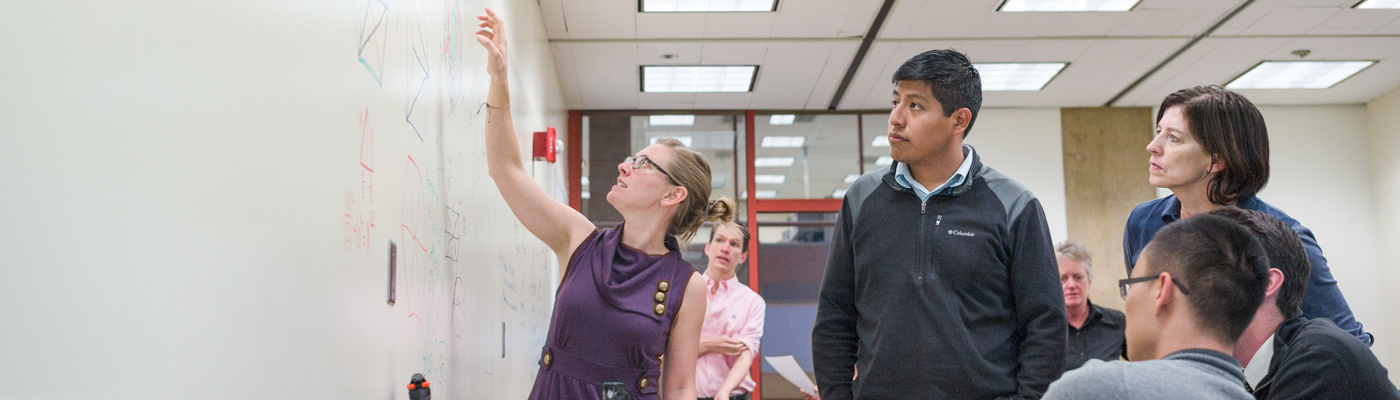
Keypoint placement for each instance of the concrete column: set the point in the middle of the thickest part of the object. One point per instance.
(1105, 161)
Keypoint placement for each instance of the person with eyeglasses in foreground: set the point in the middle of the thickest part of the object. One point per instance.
(626, 296)
(1289, 356)
(1192, 294)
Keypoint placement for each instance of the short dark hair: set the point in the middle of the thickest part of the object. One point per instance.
(1221, 263)
(1228, 126)
(951, 78)
(1285, 251)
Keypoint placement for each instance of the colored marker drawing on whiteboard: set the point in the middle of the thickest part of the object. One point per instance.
(452, 56)
(415, 53)
(454, 239)
(413, 262)
(374, 38)
(359, 205)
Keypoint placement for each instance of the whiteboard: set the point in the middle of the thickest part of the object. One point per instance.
(197, 198)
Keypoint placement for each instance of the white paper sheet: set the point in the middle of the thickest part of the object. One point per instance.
(788, 368)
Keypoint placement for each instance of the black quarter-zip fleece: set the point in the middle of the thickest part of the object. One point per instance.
(957, 297)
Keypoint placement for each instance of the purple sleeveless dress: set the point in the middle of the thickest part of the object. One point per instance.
(612, 316)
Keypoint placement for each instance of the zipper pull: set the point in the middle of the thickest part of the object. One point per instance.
(923, 207)
(938, 220)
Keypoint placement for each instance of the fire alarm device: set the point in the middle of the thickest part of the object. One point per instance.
(545, 149)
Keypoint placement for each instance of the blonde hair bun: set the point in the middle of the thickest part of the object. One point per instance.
(722, 210)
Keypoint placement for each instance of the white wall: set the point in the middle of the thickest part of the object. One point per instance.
(185, 191)
(1320, 176)
(1026, 145)
(1383, 135)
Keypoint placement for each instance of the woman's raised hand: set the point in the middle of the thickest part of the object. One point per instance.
(493, 38)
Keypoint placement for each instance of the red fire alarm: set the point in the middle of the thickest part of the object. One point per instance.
(544, 145)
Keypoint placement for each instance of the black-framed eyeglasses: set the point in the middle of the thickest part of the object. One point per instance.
(1124, 283)
(641, 161)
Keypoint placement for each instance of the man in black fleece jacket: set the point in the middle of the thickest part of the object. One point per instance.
(942, 281)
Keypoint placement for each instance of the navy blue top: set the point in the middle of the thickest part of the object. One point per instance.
(1323, 299)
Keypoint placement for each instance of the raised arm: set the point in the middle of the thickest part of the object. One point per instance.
(553, 222)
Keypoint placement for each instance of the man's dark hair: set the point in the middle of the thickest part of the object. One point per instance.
(951, 78)
(1221, 263)
(1285, 251)
(1228, 126)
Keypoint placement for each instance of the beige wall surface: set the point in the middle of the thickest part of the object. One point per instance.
(1383, 142)
(1319, 176)
(1105, 172)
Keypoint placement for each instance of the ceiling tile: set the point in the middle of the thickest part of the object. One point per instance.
(568, 73)
(1289, 21)
(601, 19)
(739, 25)
(789, 72)
(670, 25)
(649, 53)
(833, 70)
(733, 53)
(552, 12)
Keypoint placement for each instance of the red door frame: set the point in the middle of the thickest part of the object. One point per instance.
(752, 203)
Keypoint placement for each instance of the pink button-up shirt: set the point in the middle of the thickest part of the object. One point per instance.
(736, 311)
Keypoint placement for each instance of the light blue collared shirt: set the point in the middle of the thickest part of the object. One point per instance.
(906, 179)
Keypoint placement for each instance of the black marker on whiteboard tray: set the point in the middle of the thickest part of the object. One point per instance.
(393, 258)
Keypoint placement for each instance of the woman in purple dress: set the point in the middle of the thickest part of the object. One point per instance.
(626, 299)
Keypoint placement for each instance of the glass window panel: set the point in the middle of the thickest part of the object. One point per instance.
(877, 142)
(792, 253)
(812, 153)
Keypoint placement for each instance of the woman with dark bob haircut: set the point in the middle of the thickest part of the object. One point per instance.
(1211, 150)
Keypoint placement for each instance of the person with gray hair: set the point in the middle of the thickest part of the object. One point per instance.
(1094, 332)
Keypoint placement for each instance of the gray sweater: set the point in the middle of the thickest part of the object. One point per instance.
(1187, 374)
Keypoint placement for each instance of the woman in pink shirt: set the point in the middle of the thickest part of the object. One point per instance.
(733, 319)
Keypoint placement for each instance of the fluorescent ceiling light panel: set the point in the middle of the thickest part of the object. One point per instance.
(881, 141)
(698, 78)
(769, 179)
(773, 161)
(839, 193)
(884, 161)
(783, 141)
(851, 178)
(1374, 4)
(585, 195)
(685, 140)
(1017, 76)
(766, 194)
(1067, 5)
(672, 120)
(709, 5)
(584, 181)
(1297, 74)
(781, 119)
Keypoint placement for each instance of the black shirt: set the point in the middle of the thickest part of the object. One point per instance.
(1314, 359)
(1101, 337)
